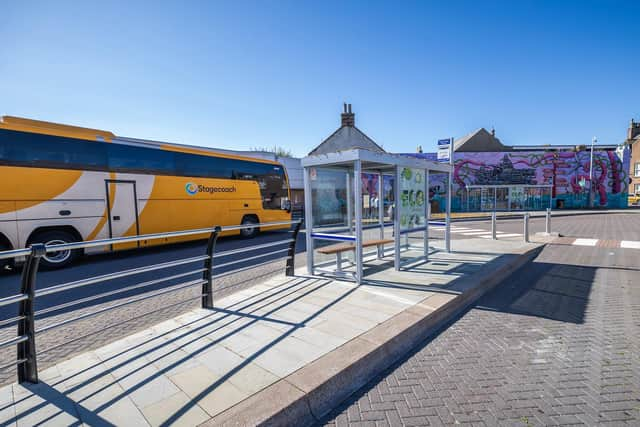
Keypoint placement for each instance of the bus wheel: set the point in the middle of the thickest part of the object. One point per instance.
(4, 263)
(250, 231)
(58, 259)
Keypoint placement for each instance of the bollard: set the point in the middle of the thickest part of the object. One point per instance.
(547, 225)
(207, 275)
(291, 254)
(493, 225)
(28, 368)
(526, 227)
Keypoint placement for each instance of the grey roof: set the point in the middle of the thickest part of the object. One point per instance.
(346, 138)
(479, 140)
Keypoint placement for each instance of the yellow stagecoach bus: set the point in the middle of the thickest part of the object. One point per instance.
(64, 183)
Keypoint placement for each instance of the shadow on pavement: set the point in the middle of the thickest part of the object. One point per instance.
(182, 343)
(562, 296)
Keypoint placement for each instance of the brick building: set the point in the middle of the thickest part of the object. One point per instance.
(633, 141)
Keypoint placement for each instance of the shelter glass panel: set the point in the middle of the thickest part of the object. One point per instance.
(412, 199)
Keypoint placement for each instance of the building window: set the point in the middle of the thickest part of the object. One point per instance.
(636, 169)
(636, 189)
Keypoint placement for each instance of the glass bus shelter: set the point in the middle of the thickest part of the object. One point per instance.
(363, 204)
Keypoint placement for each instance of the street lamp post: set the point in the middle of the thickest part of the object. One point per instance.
(593, 141)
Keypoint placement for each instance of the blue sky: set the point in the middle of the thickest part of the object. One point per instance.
(246, 74)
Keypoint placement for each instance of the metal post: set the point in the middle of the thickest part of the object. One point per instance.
(449, 196)
(593, 141)
(207, 286)
(493, 225)
(349, 201)
(526, 227)
(427, 213)
(381, 212)
(547, 225)
(308, 220)
(291, 254)
(358, 208)
(396, 220)
(28, 370)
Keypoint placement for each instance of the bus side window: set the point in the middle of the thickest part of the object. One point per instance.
(51, 151)
(139, 159)
(203, 166)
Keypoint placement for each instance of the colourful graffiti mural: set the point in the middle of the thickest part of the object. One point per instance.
(566, 171)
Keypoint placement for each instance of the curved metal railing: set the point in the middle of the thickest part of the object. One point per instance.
(26, 337)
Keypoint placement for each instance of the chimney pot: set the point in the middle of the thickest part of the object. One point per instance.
(348, 118)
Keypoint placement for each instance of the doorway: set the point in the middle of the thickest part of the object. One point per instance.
(122, 208)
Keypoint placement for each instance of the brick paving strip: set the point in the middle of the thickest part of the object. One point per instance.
(557, 343)
(298, 348)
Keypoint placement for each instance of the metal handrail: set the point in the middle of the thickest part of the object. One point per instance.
(117, 291)
(127, 302)
(251, 248)
(26, 361)
(12, 364)
(13, 299)
(11, 320)
(240, 261)
(14, 253)
(14, 340)
(132, 239)
(229, 273)
(97, 279)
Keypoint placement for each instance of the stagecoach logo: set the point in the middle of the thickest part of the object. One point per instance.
(193, 189)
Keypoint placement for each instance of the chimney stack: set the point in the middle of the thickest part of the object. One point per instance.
(493, 132)
(348, 118)
(634, 130)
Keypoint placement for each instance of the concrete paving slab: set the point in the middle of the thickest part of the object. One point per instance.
(283, 347)
(159, 413)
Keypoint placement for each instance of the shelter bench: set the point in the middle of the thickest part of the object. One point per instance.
(344, 247)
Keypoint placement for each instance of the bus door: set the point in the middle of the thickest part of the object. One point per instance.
(122, 202)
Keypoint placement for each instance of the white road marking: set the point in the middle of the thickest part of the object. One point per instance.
(474, 233)
(453, 227)
(629, 244)
(502, 235)
(585, 242)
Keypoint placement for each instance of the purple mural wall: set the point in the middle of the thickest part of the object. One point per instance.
(566, 171)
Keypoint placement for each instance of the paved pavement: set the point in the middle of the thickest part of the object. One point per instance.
(186, 370)
(77, 337)
(558, 343)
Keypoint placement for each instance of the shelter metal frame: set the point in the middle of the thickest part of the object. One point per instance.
(359, 161)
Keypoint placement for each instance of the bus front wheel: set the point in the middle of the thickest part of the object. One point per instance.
(249, 232)
(4, 263)
(57, 259)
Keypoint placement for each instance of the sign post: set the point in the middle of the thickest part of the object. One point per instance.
(445, 154)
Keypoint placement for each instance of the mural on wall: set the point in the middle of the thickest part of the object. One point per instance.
(566, 171)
